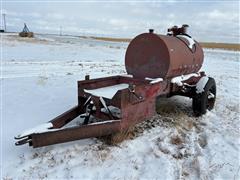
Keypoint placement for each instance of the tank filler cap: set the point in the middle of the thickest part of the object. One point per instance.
(151, 31)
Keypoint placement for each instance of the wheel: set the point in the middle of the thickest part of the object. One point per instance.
(205, 101)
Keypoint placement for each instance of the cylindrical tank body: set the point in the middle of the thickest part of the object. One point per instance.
(162, 56)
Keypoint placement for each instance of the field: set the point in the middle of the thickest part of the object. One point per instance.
(38, 82)
(226, 46)
(211, 45)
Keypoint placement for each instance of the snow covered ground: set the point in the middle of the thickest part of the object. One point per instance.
(38, 82)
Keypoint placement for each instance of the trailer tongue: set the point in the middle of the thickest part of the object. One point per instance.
(159, 66)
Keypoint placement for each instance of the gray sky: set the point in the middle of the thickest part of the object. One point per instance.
(216, 21)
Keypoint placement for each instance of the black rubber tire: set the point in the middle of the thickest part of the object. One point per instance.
(201, 102)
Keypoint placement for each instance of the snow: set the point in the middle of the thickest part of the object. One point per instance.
(179, 79)
(38, 129)
(103, 102)
(190, 40)
(211, 96)
(104, 122)
(201, 84)
(114, 110)
(126, 75)
(39, 82)
(107, 92)
(154, 80)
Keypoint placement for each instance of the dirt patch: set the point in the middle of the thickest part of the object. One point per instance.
(35, 40)
(177, 140)
(185, 133)
(171, 114)
(227, 46)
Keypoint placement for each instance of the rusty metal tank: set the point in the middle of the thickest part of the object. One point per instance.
(163, 56)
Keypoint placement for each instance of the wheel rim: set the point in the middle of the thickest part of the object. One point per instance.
(211, 96)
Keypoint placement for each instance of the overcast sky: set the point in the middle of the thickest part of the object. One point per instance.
(216, 21)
